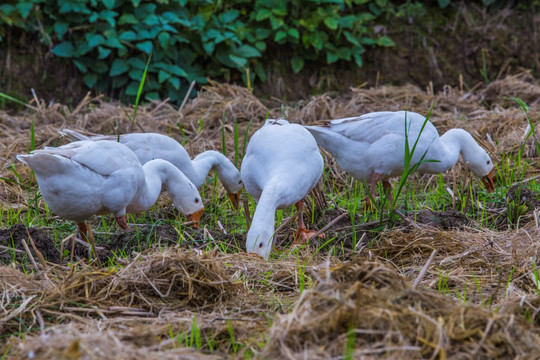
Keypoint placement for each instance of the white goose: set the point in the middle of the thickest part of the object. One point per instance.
(85, 178)
(372, 147)
(150, 146)
(282, 164)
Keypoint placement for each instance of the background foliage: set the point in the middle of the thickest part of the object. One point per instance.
(110, 41)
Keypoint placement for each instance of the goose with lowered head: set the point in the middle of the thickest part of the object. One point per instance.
(84, 178)
(150, 146)
(282, 164)
(371, 147)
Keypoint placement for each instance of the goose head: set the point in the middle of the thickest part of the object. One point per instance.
(480, 164)
(232, 182)
(187, 200)
(259, 240)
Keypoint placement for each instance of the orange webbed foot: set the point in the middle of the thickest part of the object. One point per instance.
(304, 235)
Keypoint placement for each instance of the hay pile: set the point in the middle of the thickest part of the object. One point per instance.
(171, 279)
(488, 265)
(364, 309)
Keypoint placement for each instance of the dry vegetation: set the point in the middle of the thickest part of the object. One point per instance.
(478, 298)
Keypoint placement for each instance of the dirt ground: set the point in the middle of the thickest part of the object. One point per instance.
(477, 298)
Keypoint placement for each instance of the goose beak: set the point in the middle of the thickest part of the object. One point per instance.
(196, 216)
(255, 255)
(235, 199)
(488, 181)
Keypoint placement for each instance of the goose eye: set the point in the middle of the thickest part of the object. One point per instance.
(488, 162)
(260, 245)
(196, 201)
(240, 182)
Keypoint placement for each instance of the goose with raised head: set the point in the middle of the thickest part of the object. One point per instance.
(371, 147)
(282, 164)
(150, 146)
(84, 178)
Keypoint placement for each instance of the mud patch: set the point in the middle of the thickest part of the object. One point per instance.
(446, 220)
(13, 238)
(522, 195)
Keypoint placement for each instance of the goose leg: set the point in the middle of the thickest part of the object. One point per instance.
(122, 221)
(387, 186)
(303, 235)
(369, 205)
(86, 234)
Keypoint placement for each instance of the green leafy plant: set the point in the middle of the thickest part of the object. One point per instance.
(109, 41)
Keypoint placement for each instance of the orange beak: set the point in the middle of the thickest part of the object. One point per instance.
(488, 181)
(255, 255)
(196, 216)
(235, 199)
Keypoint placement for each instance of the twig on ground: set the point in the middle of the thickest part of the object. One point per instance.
(424, 269)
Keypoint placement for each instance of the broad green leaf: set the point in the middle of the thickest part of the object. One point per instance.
(90, 79)
(261, 45)
(367, 41)
(80, 66)
(365, 16)
(112, 40)
(331, 23)
(119, 66)
(145, 46)
(175, 82)
(109, 4)
(24, 8)
(331, 57)
(280, 10)
(358, 60)
(275, 22)
(385, 41)
(344, 53)
(248, 51)
(280, 35)
(229, 16)
(164, 38)
(132, 88)
(262, 14)
(6, 9)
(171, 68)
(238, 61)
(347, 21)
(297, 63)
(261, 33)
(137, 63)
(109, 16)
(103, 52)
(294, 33)
(136, 74)
(127, 19)
(443, 3)
(60, 28)
(64, 49)
(128, 36)
(151, 20)
(95, 40)
(316, 40)
(350, 38)
(381, 3)
(162, 76)
(209, 47)
(152, 95)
